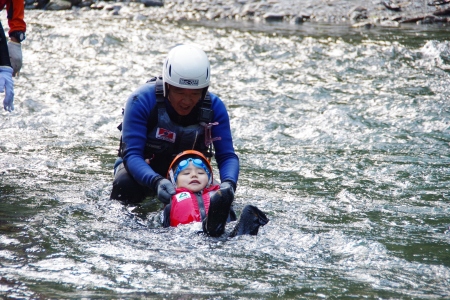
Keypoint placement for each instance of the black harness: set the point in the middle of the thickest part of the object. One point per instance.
(205, 113)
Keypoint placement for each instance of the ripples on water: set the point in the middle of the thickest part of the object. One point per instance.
(343, 137)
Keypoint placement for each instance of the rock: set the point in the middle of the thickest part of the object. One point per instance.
(442, 12)
(113, 7)
(41, 3)
(248, 11)
(149, 3)
(75, 2)
(86, 3)
(212, 15)
(300, 18)
(391, 6)
(366, 25)
(412, 19)
(58, 5)
(97, 6)
(273, 17)
(431, 20)
(389, 23)
(115, 11)
(201, 8)
(357, 13)
(439, 2)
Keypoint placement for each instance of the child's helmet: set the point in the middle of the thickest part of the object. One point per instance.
(172, 173)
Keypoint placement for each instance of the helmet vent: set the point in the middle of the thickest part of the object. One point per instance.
(170, 70)
(207, 73)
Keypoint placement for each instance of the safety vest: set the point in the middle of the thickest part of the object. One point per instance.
(187, 207)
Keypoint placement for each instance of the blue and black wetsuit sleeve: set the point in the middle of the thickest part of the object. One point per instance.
(226, 158)
(134, 135)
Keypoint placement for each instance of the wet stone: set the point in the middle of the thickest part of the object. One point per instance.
(148, 3)
(389, 24)
(273, 17)
(58, 5)
(357, 13)
(391, 6)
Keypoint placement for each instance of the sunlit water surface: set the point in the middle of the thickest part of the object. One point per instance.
(343, 137)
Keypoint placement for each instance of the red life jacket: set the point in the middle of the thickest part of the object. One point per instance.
(185, 205)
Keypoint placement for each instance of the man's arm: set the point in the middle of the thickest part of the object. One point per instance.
(16, 13)
(134, 135)
(6, 81)
(226, 158)
(17, 28)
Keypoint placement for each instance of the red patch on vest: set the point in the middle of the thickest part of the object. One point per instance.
(164, 134)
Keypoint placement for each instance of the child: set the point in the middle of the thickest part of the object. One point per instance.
(199, 198)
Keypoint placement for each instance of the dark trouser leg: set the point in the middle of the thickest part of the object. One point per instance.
(232, 216)
(250, 221)
(4, 54)
(166, 214)
(126, 189)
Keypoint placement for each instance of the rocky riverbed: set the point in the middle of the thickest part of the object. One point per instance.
(357, 13)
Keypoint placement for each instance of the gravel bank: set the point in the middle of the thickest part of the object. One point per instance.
(357, 13)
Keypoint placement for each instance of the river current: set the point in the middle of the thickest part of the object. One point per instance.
(342, 134)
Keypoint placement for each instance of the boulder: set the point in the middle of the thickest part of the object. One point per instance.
(58, 5)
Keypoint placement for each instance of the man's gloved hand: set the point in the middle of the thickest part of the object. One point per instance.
(7, 86)
(227, 185)
(165, 190)
(15, 55)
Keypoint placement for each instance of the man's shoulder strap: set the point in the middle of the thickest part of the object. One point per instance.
(206, 114)
(159, 89)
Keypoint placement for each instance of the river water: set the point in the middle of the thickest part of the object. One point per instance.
(343, 137)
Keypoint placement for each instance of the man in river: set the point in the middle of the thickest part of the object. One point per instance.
(11, 52)
(166, 116)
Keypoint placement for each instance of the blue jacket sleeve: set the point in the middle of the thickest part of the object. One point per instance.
(226, 158)
(134, 134)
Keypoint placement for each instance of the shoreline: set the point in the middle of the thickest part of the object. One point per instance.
(353, 13)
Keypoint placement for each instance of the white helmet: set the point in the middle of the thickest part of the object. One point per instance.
(186, 66)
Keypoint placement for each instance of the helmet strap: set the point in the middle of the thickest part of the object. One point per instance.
(172, 178)
(206, 114)
(166, 89)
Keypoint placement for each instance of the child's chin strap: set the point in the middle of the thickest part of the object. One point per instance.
(172, 178)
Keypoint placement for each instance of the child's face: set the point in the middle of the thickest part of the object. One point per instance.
(193, 178)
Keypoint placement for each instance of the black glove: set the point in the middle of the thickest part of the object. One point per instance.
(165, 190)
(228, 185)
